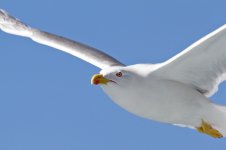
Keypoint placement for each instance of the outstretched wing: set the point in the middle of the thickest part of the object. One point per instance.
(202, 65)
(12, 25)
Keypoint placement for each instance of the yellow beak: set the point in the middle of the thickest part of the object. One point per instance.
(99, 79)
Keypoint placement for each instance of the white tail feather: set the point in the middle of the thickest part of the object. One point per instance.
(12, 25)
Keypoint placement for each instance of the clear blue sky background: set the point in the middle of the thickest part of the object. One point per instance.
(46, 99)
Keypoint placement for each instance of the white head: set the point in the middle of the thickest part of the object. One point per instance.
(117, 82)
(113, 76)
(120, 76)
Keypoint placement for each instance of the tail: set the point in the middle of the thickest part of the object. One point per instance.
(218, 119)
(12, 25)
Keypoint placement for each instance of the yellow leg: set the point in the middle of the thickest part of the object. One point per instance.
(209, 130)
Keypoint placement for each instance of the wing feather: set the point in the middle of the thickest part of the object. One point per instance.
(12, 25)
(202, 65)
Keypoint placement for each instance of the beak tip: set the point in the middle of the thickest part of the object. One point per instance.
(95, 79)
(94, 82)
(99, 79)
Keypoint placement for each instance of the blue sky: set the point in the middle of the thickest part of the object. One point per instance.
(47, 101)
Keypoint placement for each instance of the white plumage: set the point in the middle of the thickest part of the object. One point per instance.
(175, 91)
(202, 64)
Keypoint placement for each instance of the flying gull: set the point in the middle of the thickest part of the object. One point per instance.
(175, 91)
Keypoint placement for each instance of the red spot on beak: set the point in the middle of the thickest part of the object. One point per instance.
(96, 82)
(99, 79)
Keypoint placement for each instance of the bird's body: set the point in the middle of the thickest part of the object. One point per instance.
(175, 91)
(154, 97)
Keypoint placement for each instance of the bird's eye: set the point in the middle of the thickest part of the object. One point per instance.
(118, 74)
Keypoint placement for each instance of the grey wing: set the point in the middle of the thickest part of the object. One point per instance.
(202, 65)
(12, 25)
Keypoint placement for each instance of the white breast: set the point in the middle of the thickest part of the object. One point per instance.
(160, 100)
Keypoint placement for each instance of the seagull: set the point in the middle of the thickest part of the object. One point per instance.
(176, 91)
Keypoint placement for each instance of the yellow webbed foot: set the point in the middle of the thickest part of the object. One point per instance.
(209, 130)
